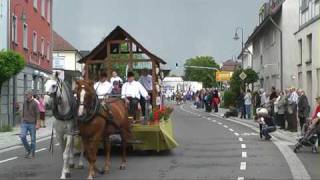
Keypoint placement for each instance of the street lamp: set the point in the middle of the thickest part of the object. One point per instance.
(236, 38)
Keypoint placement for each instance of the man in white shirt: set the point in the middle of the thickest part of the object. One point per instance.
(131, 92)
(146, 81)
(115, 77)
(103, 87)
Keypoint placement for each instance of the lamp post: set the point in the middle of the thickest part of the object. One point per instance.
(236, 37)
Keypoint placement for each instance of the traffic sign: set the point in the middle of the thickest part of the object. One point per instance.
(243, 76)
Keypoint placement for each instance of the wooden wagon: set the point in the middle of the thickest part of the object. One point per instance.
(120, 52)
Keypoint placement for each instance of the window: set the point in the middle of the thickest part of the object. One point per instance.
(35, 4)
(34, 41)
(304, 5)
(43, 10)
(14, 33)
(49, 11)
(300, 51)
(48, 51)
(42, 46)
(25, 36)
(309, 40)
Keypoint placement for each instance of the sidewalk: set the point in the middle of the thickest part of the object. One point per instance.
(11, 139)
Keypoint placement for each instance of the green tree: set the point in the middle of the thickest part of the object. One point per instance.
(237, 84)
(11, 63)
(206, 76)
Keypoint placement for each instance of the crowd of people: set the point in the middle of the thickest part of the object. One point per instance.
(209, 99)
(286, 107)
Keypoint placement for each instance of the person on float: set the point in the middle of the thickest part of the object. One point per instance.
(115, 78)
(131, 92)
(146, 81)
(103, 87)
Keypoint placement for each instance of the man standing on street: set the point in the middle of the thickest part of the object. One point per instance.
(303, 107)
(29, 119)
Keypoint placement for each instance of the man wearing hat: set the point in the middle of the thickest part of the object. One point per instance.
(30, 114)
(131, 92)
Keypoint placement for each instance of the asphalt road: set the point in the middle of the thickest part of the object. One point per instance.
(210, 148)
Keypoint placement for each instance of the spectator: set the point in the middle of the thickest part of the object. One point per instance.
(215, 100)
(248, 103)
(303, 107)
(315, 116)
(273, 96)
(280, 110)
(42, 109)
(292, 109)
(29, 118)
(263, 98)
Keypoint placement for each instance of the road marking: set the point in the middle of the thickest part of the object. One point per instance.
(237, 134)
(243, 146)
(225, 126)
(240, 139)
(219, 123)
(231, 130)
(297, 168)
(39, 150)
(57, 144)
(240, 178)
(10, 159)
(243, 166)
(214, 121)
(244, 155)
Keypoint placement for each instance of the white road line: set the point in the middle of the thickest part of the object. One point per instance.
(10, 159)
(214, 121)
(57, 144)
(243, 146)
(237, 134)
(243, 166)
(244, 155)
(240, 139)
(240, 178)
(42, 149)
(225, 126)
(231, 130)
(219, 123)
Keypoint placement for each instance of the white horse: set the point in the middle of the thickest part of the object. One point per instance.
(64, 125)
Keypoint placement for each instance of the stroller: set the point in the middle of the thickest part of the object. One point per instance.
(309, 137)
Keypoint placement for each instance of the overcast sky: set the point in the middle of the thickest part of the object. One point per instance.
(175, 30)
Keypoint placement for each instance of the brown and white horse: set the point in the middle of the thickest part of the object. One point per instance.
(99, 120)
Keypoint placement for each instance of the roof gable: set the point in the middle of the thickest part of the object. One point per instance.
(60, 44)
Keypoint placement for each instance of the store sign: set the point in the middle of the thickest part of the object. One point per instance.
(58, 62)
(222, 76)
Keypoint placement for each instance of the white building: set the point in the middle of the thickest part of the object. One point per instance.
(65, 59)
(247, 56)
(308, 48)
(275, 17)
(4, 23)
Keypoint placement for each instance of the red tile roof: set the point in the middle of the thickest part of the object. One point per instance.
(60, 44)
(230, 65)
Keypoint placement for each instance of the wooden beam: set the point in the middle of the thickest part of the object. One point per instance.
(154, 90)
(95, 62)
(119, 41)
(107, 61)
(130, 57)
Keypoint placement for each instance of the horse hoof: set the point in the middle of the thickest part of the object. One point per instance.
(101, 171)
(123, 167)
(71, 166)
(80, 167)
(68, 175)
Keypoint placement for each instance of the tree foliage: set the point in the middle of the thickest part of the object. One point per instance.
(11, 63)
(206, 76)
(236, 83)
